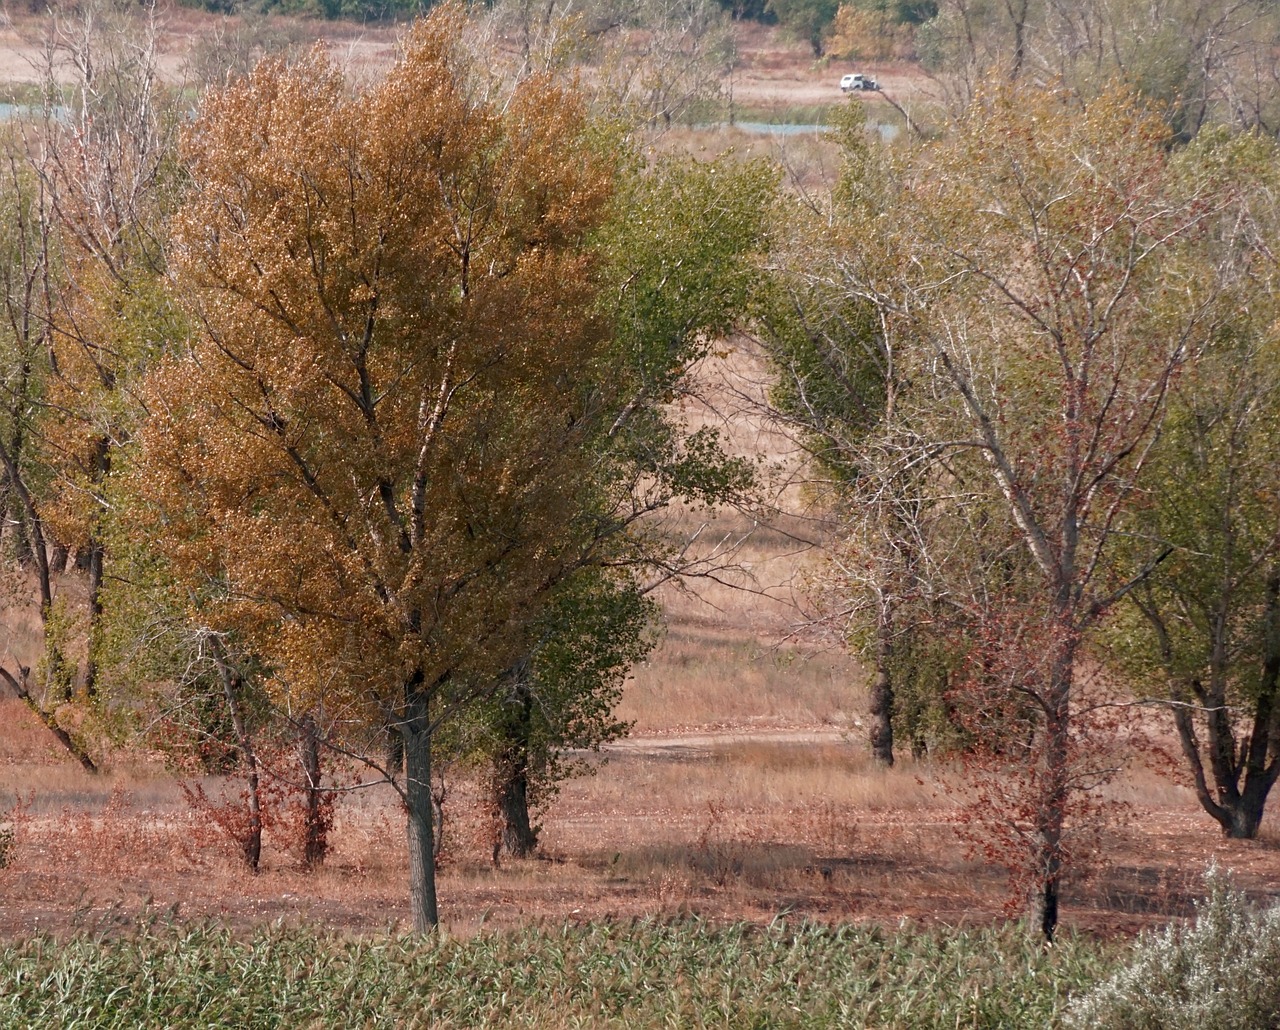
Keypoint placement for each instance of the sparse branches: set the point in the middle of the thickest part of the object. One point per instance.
(1195, 63)
(1203, 629)
(1041, 279)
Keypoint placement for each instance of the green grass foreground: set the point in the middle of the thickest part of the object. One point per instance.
(646, 974)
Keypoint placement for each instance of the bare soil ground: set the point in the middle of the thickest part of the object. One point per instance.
(745, 791)
(776, 73)
(740, 824)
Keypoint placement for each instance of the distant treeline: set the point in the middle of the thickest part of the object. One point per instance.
(358, 10)
(808, 19)
(402, 10)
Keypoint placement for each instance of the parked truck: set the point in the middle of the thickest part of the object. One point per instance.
(857, 81)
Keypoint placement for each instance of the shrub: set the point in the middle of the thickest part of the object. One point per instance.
(1222, 973)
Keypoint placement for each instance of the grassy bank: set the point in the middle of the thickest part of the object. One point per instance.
(643, 974)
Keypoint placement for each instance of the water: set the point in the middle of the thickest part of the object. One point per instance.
(29, 112)
(772, 128)
(887, 132)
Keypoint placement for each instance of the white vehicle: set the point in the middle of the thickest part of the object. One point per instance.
(857, 81)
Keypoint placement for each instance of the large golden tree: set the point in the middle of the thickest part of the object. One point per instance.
(371, 459)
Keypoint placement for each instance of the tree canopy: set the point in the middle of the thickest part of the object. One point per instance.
(369, 460)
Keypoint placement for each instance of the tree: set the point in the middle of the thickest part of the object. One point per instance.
(650, 63)
(559, 702)
(107, 172)
(1042, 281)
(669, 62)
(678, 251)
(92, 184)
(1204, 631)
(26, 266)
(836, 388)
(1194, 62)
(182, 690)
(806, 20)
(878, 29)
(370, 458)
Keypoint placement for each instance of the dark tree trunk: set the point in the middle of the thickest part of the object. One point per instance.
(95, 619)
(21, 546)
(416, 729)
(1246, 817)
(251, 843)
(1050, 817)
(316, 812)
(395, 752)
(14, 508)
(1261, 767)
(21, 688)
(32, 528)
(1017, 10)
(59, 555)
(517, 836)
(1244, 773)
(101, 469)
(1050, 825)
(881, 715)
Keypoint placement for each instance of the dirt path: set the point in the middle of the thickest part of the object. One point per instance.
(704, 744)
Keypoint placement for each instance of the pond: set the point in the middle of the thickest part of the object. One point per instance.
(887, 132)
(10, 112)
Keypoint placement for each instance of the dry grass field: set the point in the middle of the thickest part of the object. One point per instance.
(744, 792)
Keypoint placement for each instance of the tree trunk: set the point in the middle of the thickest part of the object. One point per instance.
(316, 817)
(15, 511)
(1259, 773)
(1018, 15)
(251, 844)
(30, 524)
(1244, 772)
(95, 619)
(1049, 831)
(21, 546)
(101, 469)
(395, 752)
(1246, 817)
(59, 555)
(416, 728)
(881, 715)
(1052, 801)
(519, 838)
(20, 687)
(516, 836)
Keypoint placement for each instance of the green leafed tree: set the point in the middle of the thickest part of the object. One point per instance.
(678, 252)
(838, 390)
(1042, 277)
(556, 707)
(806, 20)
(1204, 630)
(91, 183)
